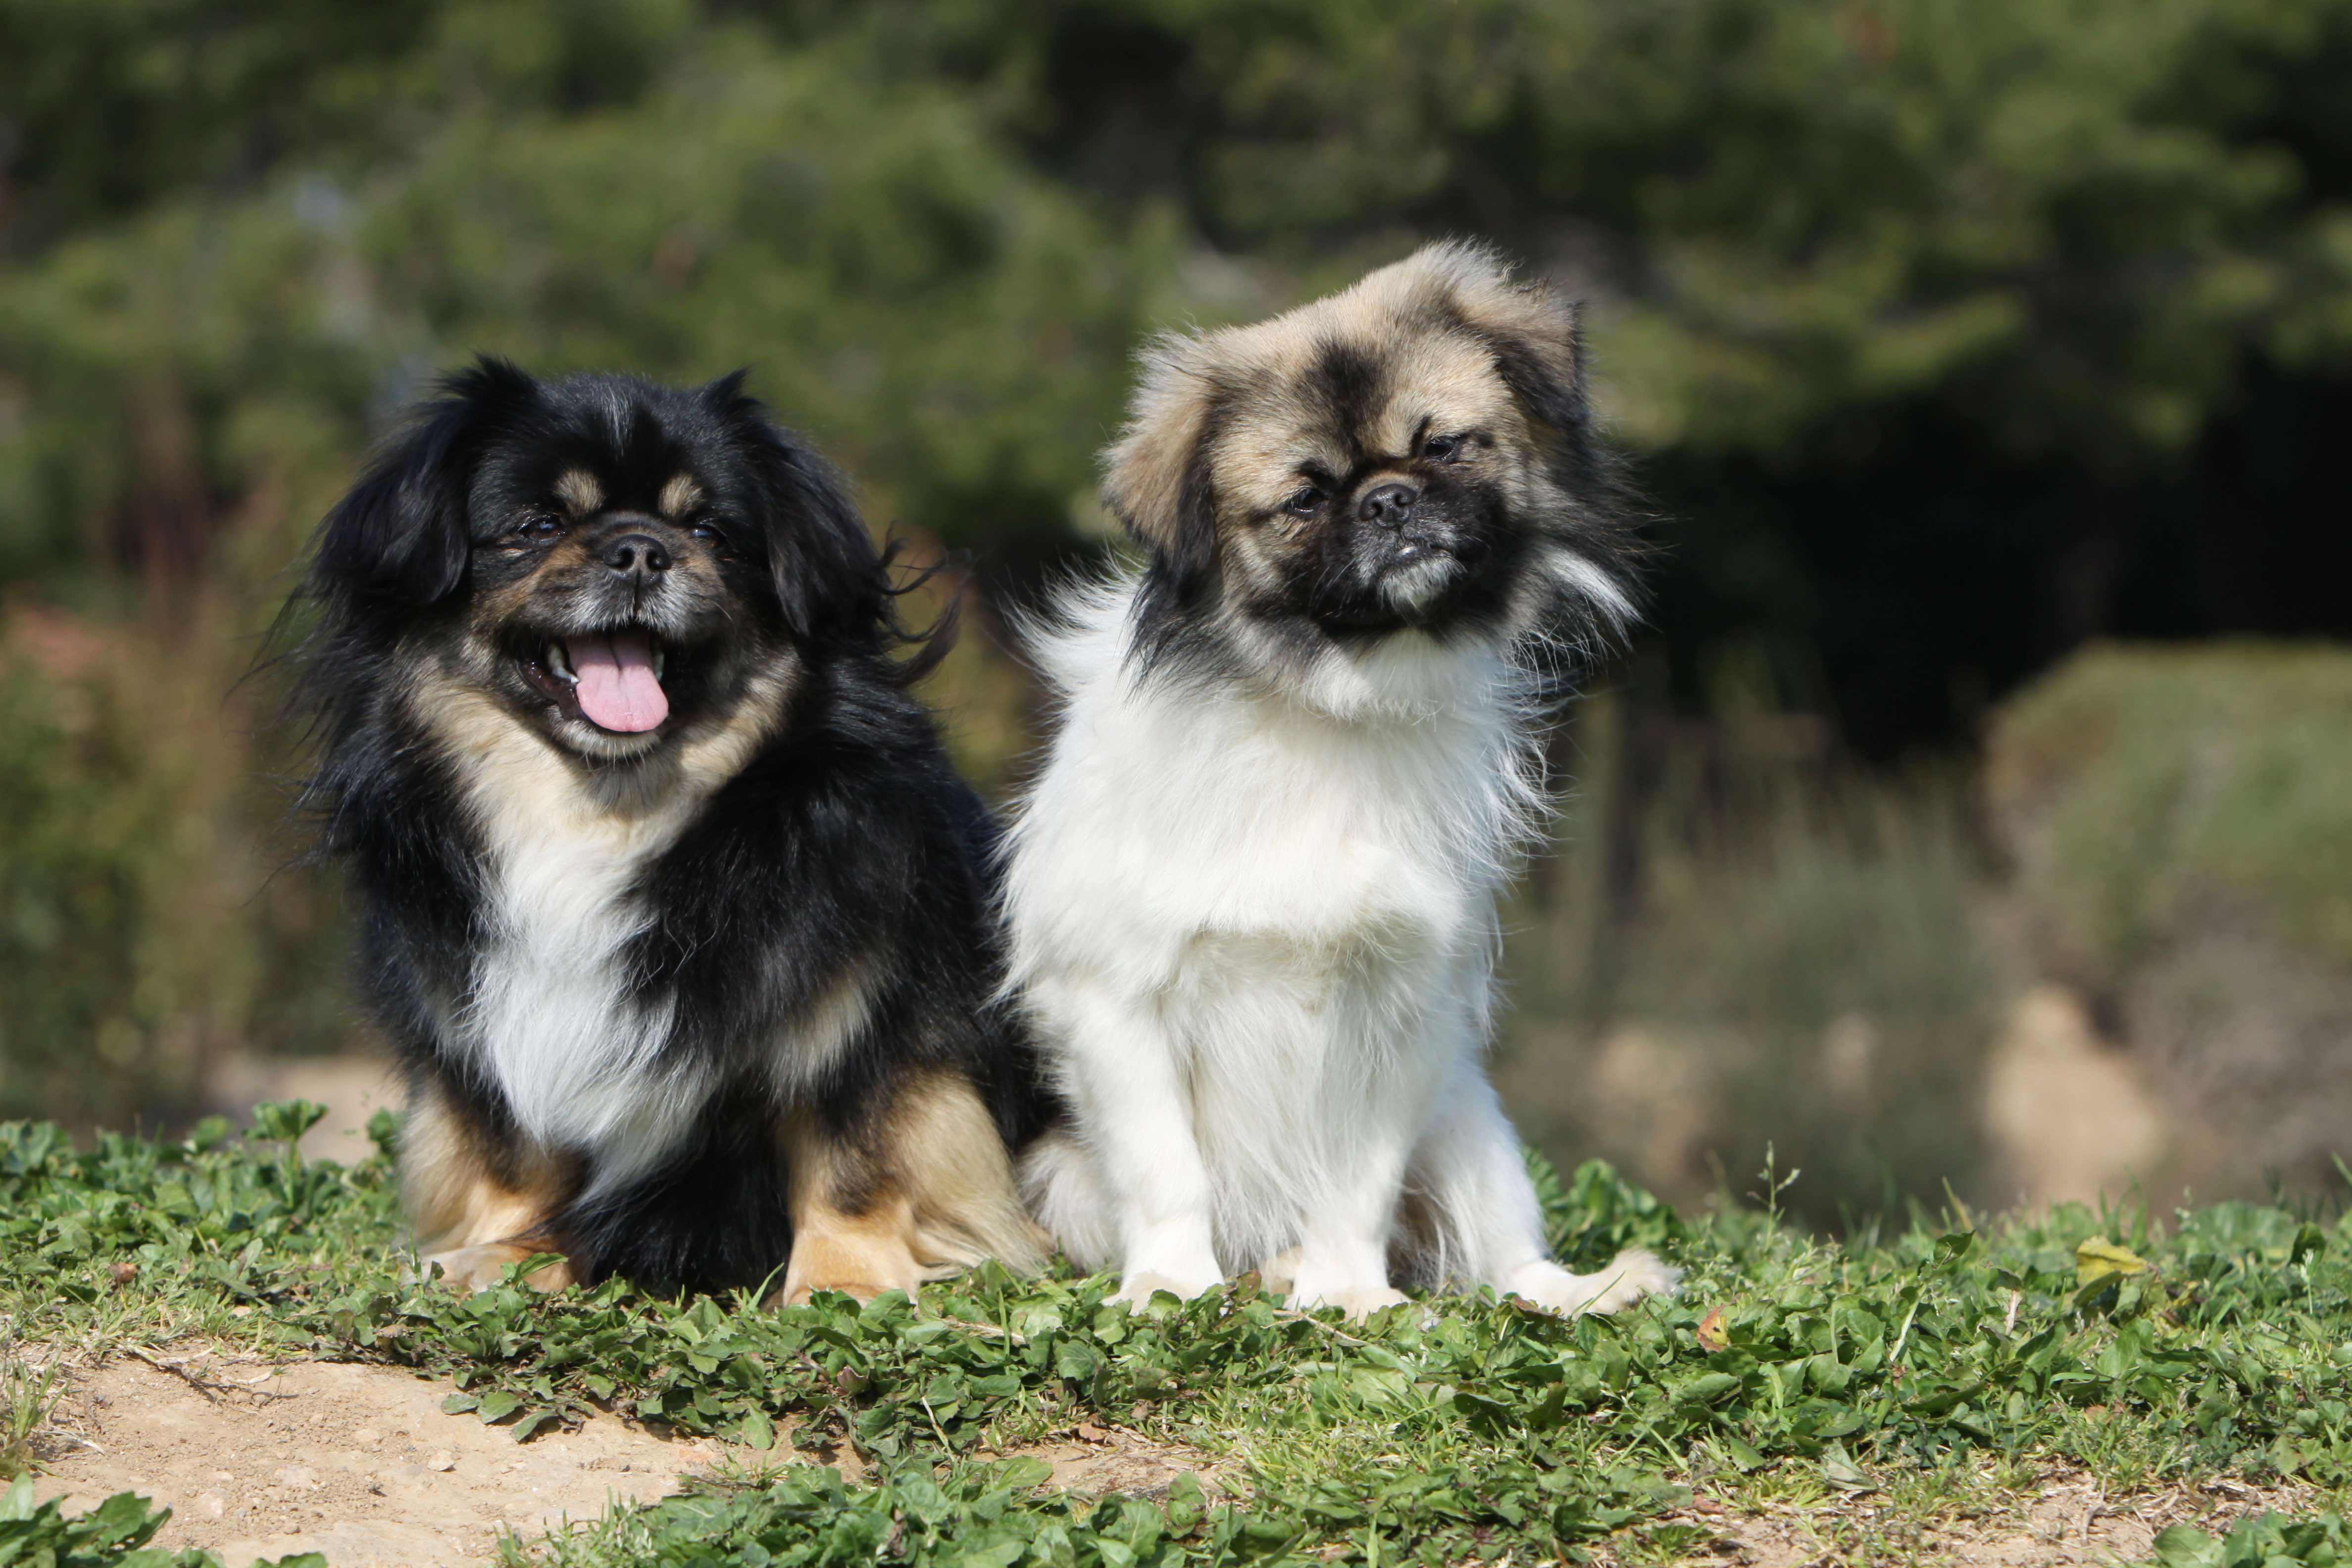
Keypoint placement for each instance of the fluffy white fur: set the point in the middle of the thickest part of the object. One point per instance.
(1253, 923)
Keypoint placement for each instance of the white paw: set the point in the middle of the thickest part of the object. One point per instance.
(1359, 1303)
(1630, 1276)
(1279, 1273)
(1137, 1288)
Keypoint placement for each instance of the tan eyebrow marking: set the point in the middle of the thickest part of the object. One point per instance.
(679, 497)
(579, 490)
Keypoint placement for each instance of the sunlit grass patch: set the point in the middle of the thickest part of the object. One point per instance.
(1875, 1396)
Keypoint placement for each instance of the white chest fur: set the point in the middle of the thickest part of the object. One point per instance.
(551, 1017)
(1168, 816)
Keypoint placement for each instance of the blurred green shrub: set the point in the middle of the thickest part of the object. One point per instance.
(1845, 972)
(1797, 956)
(139, 938)
(93, 846)
(2181, 824)
(951, 324)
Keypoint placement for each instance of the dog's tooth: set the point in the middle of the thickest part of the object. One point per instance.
(661, 661)
(558, 664)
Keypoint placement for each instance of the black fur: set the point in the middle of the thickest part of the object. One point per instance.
(848, 833)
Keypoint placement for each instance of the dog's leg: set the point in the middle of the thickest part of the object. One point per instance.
(920, 1192)
(474, 1208)
(1122, 1074)
(1065, 1191)
(959, 1176)
(1342, 1258)
(1471, 1187)
(1369, 1133)
(852, 1220)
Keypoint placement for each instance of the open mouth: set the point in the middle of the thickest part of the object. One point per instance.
(611, 680)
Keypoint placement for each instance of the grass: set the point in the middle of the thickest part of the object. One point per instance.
(29, 1391)
(1873, 1393)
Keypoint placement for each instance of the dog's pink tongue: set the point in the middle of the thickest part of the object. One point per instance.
(617, 689)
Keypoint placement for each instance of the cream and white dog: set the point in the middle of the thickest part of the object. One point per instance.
(1253, 893)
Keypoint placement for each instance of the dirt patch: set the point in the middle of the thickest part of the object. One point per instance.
(1095, 1460)
(357, 1462)
(2071, 1116)
(2070, 1520)
(360, 1463)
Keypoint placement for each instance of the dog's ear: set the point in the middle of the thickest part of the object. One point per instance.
(1155, 476)
(829, 579)
(400, 534)
(1533, 331)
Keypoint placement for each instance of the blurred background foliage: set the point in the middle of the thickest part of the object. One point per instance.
(1951, 337)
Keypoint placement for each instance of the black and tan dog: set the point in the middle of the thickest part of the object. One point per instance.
(670, 898)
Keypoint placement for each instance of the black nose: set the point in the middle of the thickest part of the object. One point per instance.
(638, 555)
(1387, 505)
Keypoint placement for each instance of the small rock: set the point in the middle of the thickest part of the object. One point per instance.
(441, 1459)
(367, 1437)
(212, 1505)
(296, 1477)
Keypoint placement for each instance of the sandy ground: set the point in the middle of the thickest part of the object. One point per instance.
(2071, 1116)
(2069, 1523)
(357, 1462)
(360, 1464)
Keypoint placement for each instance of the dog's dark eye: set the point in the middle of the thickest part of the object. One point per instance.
(709, 532)
(1305, 504)
(1442, 448)
(539, 530)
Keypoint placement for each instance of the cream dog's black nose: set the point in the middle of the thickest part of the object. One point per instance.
(1387, 505)
(637, 555)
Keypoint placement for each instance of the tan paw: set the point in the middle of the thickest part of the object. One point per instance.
(476, 1268)
(864, 1289)
(815, 1268)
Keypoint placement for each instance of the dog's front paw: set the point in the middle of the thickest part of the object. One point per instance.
(477, 1269)
(1630, 1276)
(1279, 1274)
(1357, 1303)
(1139, 1288)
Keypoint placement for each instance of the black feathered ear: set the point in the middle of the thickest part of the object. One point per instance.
(829, 579)
(1156, 476)
(724, 396)
(400, 534)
